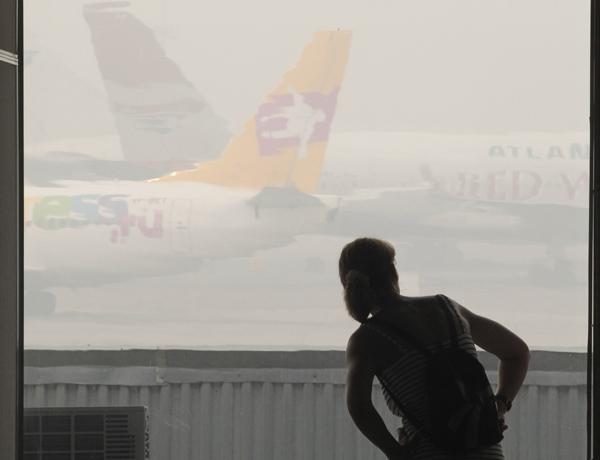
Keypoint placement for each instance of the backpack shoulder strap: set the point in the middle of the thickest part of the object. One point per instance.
(395, 334)
(444, 304)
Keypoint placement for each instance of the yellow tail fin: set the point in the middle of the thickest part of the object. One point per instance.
(285, 142)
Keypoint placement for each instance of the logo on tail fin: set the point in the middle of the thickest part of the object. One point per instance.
(294, 120)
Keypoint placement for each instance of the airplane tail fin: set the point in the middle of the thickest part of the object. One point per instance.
(161, 118)
(285, 142)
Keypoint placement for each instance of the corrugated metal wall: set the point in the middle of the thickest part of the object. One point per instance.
(298, 414)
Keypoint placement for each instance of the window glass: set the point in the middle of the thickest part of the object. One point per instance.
(193, 169)
(457, 130)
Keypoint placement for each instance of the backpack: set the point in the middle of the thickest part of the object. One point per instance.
(460, 397)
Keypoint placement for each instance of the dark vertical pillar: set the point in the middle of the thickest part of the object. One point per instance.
(594, 251)
(11, 142)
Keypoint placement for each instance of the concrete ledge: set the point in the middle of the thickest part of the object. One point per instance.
(153, 376)
(548, 361)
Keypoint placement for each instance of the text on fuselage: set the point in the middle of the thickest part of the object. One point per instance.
(80, 211)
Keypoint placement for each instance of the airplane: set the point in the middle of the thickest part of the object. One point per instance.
(256, 195)
(435, 192)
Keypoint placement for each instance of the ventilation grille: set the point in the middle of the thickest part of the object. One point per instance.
(110, 433)
(120, 444)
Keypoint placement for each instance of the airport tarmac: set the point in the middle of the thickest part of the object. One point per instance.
(289, 299)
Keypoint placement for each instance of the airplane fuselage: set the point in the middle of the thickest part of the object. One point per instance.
(153, 228)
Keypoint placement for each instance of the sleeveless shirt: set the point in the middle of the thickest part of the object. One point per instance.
(406, 379)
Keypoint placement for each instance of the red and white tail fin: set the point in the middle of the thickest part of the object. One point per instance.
(161, 118)
(285, 142)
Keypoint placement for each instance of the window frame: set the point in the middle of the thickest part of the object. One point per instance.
(593, 419)
(11, 212)
(11, 229)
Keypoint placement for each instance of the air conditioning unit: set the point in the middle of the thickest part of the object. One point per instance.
(86, 433)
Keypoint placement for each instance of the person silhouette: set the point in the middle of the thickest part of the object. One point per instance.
(370, 280)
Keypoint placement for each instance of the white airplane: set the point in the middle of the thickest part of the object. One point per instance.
(439, 192)
(255, 196)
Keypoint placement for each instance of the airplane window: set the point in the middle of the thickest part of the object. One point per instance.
(193, 170)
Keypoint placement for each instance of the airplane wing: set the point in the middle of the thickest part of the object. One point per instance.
(51, 168)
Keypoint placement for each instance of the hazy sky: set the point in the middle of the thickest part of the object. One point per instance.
(428, 65)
